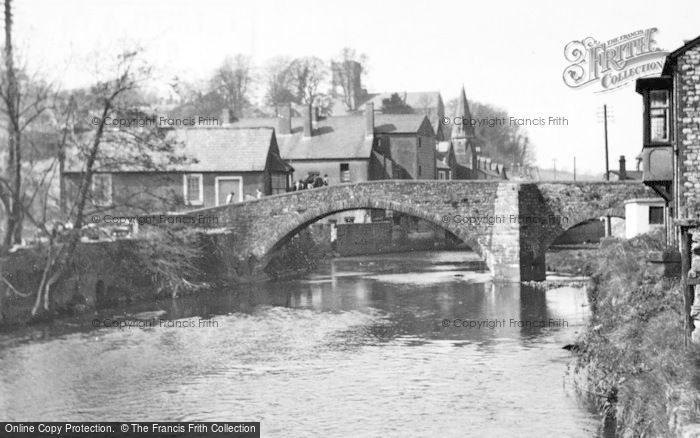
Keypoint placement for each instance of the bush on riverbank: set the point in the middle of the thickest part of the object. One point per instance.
(633, 350)
(572, 261)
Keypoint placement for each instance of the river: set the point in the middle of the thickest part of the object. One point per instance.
(362, 347)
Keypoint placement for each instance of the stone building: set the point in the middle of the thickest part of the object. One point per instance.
(671, 157)
(353, 148)
(220, 161)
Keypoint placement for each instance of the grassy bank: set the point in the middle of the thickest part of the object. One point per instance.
(572, 261)
(631, 359)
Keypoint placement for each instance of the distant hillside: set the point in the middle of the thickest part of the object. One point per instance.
(564, 175)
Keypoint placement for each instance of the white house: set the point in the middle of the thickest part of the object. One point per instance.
(643, 215)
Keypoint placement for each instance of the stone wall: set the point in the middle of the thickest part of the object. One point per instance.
(687, 86)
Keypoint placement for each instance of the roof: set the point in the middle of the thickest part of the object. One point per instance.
(414, 99)
(423, 102)
(646, 201)
(670, 59)
(216, 149)
(399, 123)
(631, 174)
(333, 137)
(339, 137)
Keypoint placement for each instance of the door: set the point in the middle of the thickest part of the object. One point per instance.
(226, 185)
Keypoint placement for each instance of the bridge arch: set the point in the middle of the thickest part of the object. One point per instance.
(286, 231)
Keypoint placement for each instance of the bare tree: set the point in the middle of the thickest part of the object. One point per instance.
(24, 99)
(232, 81)
(307, 75)
(278, 81)
(99, 147)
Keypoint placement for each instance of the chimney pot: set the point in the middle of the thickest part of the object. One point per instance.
(623, 169)
(369, 119)
(308, 128)
(284, 125)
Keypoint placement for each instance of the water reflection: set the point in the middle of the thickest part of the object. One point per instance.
(358, 348)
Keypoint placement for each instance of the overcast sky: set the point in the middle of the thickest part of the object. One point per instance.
(507, 54)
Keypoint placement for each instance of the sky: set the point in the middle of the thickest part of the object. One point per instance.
(509, 54)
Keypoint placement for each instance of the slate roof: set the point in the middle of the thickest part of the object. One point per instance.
(340, 137)
(217, 149)
(333, 137)
(398, 123)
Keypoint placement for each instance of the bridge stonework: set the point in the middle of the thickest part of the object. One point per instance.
(509, 224)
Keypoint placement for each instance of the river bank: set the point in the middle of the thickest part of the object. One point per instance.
(117, 273)
(631, 360)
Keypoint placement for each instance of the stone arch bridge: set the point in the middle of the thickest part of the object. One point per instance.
(510, 224)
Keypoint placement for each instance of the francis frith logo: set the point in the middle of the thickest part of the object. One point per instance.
(614, 63)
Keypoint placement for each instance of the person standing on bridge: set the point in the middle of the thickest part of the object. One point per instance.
(229, 198)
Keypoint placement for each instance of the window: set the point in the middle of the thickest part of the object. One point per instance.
(658, 115)
(419, 141)
(102, 189)
(279, 183)
(344, 172)
(193, 189)
(656, 215)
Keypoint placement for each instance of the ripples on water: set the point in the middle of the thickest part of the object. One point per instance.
(357, 349)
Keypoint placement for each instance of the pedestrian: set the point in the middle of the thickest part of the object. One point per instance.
(325, 179)
(229, 198)
(258, 193)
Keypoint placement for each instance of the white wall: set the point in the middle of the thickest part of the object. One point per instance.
(637, 216)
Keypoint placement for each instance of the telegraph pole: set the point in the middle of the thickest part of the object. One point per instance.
(608, 224)
(605, 128)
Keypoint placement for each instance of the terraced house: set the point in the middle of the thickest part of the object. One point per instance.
(671, 157)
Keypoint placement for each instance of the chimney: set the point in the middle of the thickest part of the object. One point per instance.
(284, 125)
(308, 128)
(369, 119)
(623, 170)
(225, 116)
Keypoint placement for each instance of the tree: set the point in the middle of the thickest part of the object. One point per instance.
(232, 82)
(395, 105)
(99, 147)
(278, 82)
(348, 69)
(307, 75)
(24, 99)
